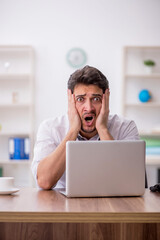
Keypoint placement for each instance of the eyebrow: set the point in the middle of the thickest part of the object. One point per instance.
(94, 95)
(82, 95)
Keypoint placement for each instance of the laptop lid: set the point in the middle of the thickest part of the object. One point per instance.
(105, 168)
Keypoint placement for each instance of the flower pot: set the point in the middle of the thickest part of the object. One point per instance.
(148, 69)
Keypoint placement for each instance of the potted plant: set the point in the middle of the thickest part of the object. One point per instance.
(149, 64)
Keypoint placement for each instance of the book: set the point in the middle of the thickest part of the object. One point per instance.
(19, 148)
(152, 142)
(152, 145)
(152, 150)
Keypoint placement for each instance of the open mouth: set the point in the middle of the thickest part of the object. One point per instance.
(88, 119)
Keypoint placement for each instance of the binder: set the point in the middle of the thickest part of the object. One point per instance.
(26, 148)
(11, 148)
(19, 148)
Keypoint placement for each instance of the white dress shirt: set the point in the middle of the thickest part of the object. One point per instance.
(52, 131)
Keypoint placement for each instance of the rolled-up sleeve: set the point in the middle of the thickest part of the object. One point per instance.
(44, 145)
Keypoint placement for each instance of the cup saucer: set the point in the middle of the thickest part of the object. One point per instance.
(9, 191)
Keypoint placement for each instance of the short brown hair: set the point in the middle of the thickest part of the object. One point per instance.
(88, 75)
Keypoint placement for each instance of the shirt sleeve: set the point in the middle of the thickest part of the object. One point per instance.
(44, 145)
(129, 131)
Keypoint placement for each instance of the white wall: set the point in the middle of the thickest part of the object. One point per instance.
(100, 27)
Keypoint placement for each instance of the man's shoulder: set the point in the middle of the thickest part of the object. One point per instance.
(116, 119)
(53, 129)
(57, 122)
(122, 128)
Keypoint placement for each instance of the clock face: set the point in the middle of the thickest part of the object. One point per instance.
(76, 57)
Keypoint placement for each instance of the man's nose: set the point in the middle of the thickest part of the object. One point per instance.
(88, 105)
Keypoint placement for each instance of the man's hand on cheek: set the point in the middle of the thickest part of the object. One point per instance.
(102, 119)
(73, 116)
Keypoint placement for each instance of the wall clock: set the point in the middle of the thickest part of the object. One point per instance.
(76, 57)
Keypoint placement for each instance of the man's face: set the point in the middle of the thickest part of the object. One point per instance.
(88, 100)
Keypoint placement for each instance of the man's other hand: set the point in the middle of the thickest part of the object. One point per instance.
(73, 116)
(102, 120)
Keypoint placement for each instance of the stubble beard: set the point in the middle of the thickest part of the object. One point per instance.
(88, 130)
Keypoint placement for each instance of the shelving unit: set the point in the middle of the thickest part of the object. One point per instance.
(145, 114)
(16, 108)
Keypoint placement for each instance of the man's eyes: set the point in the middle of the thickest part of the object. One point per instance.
(80, 99)
(96, 99)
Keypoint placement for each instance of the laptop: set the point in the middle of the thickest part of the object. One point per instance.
(105, 168)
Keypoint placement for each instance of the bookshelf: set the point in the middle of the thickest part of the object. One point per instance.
(135, 79)
(16, 108)
(146, 114)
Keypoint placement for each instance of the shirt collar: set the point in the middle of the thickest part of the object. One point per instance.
(94, 138)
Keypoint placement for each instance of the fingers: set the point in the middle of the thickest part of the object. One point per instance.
(105, 101)
(71, 97)
(107, 94)
(74, 119)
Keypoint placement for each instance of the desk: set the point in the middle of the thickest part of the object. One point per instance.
(37, 214)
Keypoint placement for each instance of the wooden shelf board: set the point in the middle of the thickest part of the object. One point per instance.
(15, 161)
(144, 76)
(10, 134)
(142, 47)
(149, 134)
(153, 160)
(20, 76)
(142, 104)
(11, 105)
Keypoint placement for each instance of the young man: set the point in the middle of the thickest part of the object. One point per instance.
(88, 119)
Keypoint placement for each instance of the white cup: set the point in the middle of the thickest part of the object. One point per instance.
(6, 183)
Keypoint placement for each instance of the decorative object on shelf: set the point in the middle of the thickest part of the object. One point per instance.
(149, 64)
(15, 97)
(144, 95)
(76, 57)
(7, 66)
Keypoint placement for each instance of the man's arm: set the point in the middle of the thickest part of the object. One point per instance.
(52, 167)
(101, 123)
